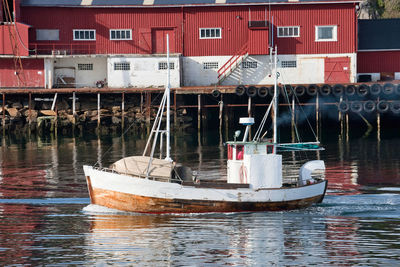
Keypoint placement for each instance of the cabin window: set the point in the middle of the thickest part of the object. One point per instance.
(230, 152)
(47, 35)
(249, 65)
(289, 31)
(86, 66)
(270, 149)
(239, 152)
(122, 66)
(164, 66)
(325, 33)
(84, 35)
(210, 33)
(120, 35)
(289, 64)
(210, 65)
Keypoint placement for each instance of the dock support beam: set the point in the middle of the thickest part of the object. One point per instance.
(198, 113)
(4, 113)
(148, 108)
(123, 111)
(175, 110)
(98, 111)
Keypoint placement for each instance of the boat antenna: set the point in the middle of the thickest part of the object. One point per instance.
(167, 92)
(275, 137)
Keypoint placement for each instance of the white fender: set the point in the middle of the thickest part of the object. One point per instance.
(308, 168)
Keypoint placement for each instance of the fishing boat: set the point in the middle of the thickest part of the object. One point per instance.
(146, 184)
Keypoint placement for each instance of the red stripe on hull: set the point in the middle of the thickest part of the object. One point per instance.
(134, 203)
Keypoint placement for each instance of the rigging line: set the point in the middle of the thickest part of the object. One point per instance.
(290, 110)
(124, 133)
(262, 124)
(17, 58)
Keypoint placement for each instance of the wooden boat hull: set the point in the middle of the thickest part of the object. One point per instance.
(133, 194)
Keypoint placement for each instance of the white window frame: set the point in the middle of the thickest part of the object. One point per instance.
(164, 65)
(210, 65)
(334, 33)
(210, 29)
(85, 66)
(286, 64)
(122, 66)
(120, 30)
(288, 28)
(84, 30)
(249, 64)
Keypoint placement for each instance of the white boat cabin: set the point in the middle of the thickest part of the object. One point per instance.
(254, 163)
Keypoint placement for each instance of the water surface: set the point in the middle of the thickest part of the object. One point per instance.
(46, 218)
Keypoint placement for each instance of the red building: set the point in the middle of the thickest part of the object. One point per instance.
(379, 49)
(124, 42)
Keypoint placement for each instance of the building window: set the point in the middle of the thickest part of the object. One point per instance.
(47, 35)
(84, 35)
(120, 34)
(249, 64)
(210, 65)
(85, 66)
(210, 33)
(122, 66)
(289, 64)
(325, 33)
(164, 65)
(290, 31)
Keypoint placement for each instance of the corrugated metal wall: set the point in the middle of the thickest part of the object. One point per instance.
(32, 75)
(377, 62)
(233, 20)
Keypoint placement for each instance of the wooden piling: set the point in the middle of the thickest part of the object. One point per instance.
(198, 113)
(317, 114)
(148, 108)
(221, 108)
(98, 111)
(175, 112)
(4, 113)
(29, 110)
(123, 110)
(293, 120)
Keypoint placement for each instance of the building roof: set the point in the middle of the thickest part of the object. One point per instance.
(159, 3)
(378, 34)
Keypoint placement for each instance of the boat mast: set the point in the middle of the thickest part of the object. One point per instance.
(167, 92)
(275, 105)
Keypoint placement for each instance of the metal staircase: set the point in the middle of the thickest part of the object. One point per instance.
(232, 63)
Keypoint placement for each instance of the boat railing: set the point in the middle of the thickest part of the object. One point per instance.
(155, 178)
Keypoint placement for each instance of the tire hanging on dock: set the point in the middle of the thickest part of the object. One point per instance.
(325, 90)
(240, 90)
(388, 88)
(376, 89)
(363, 90)
(312, 90)
(395, 107)
(350, 90)
(397, 90)
(356, 106)
(251, 91)
(262, 91)
(343, 106)
(369, 106)
(382, 106)
(338, 90)
(216, 93)
(289, 89)
(300, 90)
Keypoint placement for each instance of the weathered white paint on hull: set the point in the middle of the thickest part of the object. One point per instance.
(122, 186)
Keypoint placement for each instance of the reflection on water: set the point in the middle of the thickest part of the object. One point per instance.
(44, 221)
